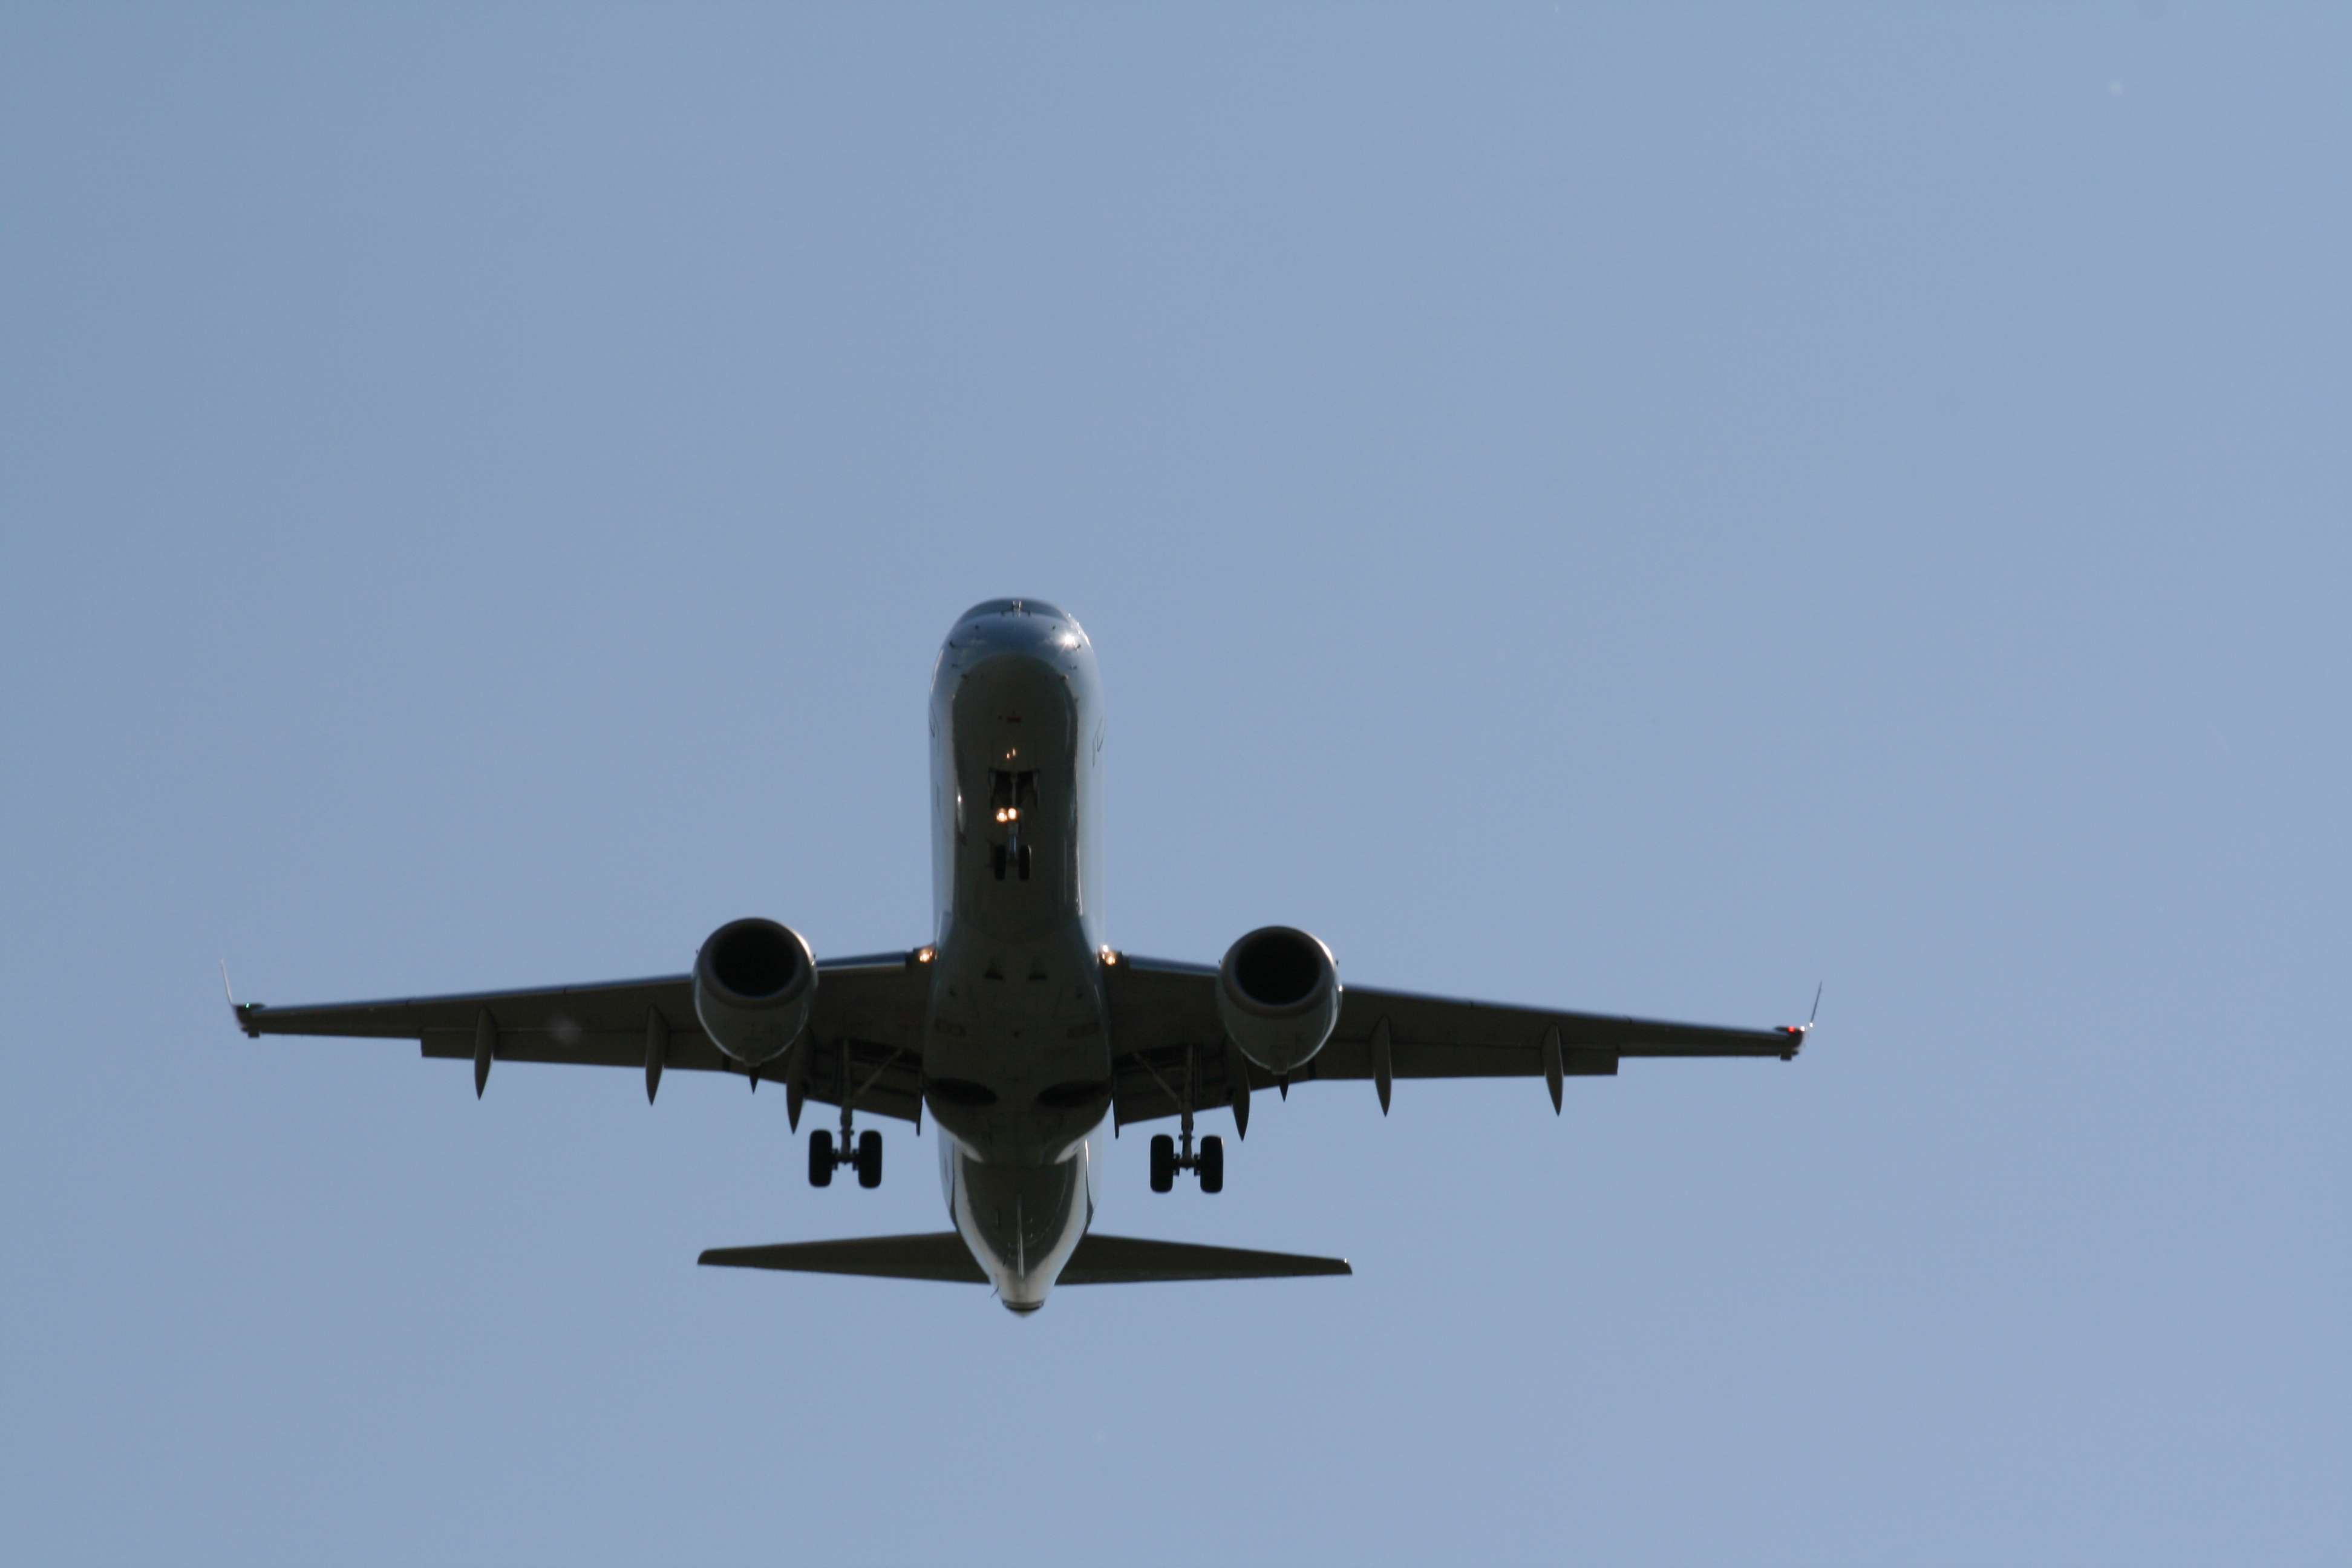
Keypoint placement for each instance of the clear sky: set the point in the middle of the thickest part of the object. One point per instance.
(1628, 509)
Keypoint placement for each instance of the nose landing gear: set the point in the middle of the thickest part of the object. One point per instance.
(1010, 795)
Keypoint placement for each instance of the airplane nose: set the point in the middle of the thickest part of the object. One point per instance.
(1017, 625)
(1035, 608)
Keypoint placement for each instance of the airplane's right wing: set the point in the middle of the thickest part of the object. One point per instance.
(1169, 1045)
(865, 1035)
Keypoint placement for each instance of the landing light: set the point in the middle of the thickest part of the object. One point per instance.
(925, 954)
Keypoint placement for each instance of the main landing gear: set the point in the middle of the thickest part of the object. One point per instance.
(1168, 1158)
(1210, 1161)
(865, 1152)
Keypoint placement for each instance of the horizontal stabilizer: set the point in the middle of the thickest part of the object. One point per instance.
(1135, 1260)
(940, 1255)
(1099, 1259)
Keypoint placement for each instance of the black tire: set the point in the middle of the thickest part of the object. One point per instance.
(869, 1159)
(820, 1159)
(1213, 1164)
(1163, 1163)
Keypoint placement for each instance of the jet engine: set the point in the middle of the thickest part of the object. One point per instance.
(754, 981)
(1278, 993)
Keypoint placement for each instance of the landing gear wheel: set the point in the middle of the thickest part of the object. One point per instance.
(869, 1159)
(1163, 1163)
(1213, 1164)
(821, 1160)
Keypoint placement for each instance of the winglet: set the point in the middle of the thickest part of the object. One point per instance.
(1797, 1032)
(238, 1010)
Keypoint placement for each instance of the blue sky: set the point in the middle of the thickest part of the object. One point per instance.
(1642, 512)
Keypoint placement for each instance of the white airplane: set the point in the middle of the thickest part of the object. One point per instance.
(1014, 1026)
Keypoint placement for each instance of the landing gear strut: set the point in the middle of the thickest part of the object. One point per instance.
(863, 1151)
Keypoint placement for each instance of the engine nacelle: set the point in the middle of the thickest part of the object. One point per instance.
(753, 982)
(1278, 993)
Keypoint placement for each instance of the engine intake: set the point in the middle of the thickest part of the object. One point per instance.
(1279, 994)
(754, 983)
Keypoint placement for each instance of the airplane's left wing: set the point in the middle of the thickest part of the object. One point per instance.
(865, 1033)
(1169, 1044)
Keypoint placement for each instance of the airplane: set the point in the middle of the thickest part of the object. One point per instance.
(1016, 1028)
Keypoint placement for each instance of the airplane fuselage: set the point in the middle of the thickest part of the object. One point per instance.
(1016, 1046)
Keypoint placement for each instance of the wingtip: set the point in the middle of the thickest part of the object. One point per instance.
(240, 1011)
(1796, 1033)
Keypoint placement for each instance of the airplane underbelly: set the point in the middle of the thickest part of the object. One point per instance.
(1016, 1055)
